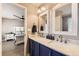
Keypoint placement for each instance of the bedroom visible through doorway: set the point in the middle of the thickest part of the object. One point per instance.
(13, 18)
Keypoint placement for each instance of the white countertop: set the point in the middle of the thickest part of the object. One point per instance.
(68, 49)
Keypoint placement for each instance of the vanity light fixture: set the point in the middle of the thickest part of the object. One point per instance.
(43, 8)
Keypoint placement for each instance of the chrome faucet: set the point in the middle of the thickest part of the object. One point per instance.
(61, 37)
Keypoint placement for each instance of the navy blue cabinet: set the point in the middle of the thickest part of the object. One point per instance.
(44, 51)
(33, 48)
(37, 49)
(56, 53)
(29, 45)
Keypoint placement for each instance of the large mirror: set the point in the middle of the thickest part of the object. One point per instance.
(43, 22)
(63, 18)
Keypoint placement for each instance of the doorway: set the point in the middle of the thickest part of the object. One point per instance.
(13, 30)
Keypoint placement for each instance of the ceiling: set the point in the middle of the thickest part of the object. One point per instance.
(31, 4)
(37, 5)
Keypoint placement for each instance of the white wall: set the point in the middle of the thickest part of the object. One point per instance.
(32, 16)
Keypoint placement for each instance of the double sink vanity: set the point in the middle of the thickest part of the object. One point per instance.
(62, 20)
(45, 47)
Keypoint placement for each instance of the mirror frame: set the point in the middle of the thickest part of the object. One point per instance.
(74, 19)
(41, 14)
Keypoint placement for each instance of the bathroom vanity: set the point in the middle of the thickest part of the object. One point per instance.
(39, 46)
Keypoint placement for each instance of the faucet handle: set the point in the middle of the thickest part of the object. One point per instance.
(61, 36)
(65, 41)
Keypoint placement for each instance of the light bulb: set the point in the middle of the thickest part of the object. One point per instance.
(43, 8)
(39, 11)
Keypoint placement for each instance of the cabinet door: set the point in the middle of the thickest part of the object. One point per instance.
(44, 51)
(36, 50)
(56, 53)
(29, 46)
(33, 48)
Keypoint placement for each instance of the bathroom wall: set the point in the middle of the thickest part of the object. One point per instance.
(33, 15)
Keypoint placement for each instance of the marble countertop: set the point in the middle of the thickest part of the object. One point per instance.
(68, 49)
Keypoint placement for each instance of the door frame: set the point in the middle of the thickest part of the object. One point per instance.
(25, 28)
(0, 29)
